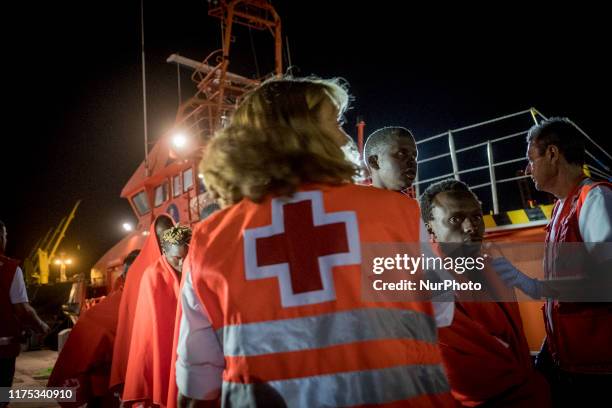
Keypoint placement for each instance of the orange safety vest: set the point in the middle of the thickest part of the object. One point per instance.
(280, 281)
(10, 329)
(581, 333)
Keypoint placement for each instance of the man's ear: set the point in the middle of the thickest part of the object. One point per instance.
(553, 153)
(373, 162)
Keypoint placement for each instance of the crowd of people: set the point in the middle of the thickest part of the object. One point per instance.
(261, 304)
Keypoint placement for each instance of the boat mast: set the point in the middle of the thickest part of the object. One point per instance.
(144, 90)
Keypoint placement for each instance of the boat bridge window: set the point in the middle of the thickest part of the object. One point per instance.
(187, 179)
(176, 186)
(161, 194)
(141, 203)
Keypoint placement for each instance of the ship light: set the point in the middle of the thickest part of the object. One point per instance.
(179, 140)
(127, 227)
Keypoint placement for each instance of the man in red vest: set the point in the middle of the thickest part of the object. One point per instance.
(576, 356)
(14, 310)
(485, 351)
(272, 309)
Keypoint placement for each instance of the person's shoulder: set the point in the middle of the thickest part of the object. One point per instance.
(379, 201)
(9, 262)
(599, 189)
(214, 220)
(154, 276)
(150, 271)
(7, 259)
(377, 194)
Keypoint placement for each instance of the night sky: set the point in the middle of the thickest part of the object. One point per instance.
(73, 128)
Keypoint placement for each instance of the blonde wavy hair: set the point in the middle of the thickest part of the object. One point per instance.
(275, 142)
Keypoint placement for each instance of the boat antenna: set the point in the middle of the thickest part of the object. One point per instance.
(288, 51)
(144, 90)
(254, 53)
(178, 79)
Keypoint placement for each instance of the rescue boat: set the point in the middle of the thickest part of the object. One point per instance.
(489, 156)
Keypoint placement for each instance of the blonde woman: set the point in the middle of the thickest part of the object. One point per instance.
(272, 312)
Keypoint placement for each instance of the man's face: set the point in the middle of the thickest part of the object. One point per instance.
(396, 164)
(175, 255)
(3, 239)
(457, 219)
(540, 168)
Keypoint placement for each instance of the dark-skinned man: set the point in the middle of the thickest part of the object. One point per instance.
(150, 253)
(390, 155)
(484, 350)
(150, 357)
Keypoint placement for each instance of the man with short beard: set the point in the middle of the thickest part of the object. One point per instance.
(576, 356)
(390, 155)
(484, 350)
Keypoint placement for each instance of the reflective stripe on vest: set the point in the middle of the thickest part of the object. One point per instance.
(326, 330)
(398, 383)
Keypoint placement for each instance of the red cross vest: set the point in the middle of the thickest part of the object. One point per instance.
(280, 281)
(9, 328)
(580, 336)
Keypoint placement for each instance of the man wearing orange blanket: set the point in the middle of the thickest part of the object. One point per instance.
(150, 252)
(148, 369)
(484, 350)
(85, 359)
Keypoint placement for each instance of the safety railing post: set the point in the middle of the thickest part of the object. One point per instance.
(453, 155)
(492, 177)
(533, 115)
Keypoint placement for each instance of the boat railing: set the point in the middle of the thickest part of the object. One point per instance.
(595, 165)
